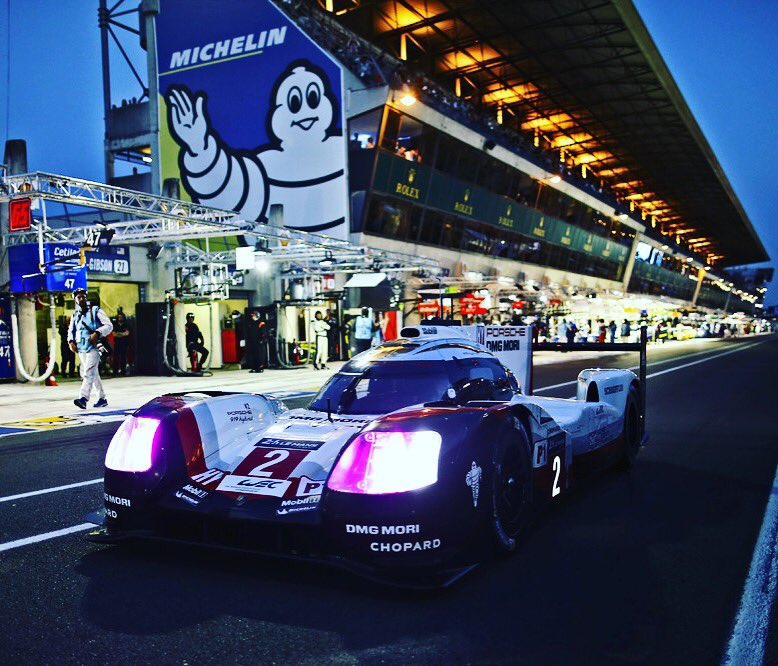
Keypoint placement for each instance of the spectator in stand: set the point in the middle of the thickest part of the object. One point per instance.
(121, 338)
(612, 331)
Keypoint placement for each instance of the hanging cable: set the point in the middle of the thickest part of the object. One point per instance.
(52, 346)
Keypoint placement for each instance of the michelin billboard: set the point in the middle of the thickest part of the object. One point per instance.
(251, 113)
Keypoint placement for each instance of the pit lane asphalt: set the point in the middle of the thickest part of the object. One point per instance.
(645, 567)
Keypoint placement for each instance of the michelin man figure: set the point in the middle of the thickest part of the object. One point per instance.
(473, 479)
(302, 168)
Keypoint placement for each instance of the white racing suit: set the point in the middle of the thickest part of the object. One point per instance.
(320, 328)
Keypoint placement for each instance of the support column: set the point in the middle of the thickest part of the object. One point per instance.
(700, 278)
(28, 336)
(149, 9)
(630, 262)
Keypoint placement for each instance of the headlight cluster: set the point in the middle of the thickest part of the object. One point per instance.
(378, 463)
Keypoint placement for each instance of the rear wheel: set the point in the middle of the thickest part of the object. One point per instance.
(631, 434)
(511, 489)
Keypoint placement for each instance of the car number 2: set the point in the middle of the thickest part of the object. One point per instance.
(555, 489)
(276, 457)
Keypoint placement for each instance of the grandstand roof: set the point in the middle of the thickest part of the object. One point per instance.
(585, 79)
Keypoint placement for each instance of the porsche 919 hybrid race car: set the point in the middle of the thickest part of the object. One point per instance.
(417, 460)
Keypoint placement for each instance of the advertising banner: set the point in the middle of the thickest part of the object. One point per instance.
(424, 186)
(63, 270)
(111, 260)
(7, 370)
(251, 114)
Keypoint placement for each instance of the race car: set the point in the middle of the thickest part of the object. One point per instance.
(416, 461)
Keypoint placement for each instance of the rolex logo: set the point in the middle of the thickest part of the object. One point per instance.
(411, 175)
(467, 196)
(508, 212)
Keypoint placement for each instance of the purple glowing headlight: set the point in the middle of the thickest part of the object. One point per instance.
(378, 463)
(130, 448)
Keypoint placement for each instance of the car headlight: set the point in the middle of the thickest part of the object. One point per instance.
(130, 448)
(378, 463)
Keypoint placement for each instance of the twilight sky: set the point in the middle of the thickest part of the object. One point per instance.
(722, 55)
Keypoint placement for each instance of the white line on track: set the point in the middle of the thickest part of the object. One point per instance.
(43, 537)
(50, 490)
(667, 360)
(749, 635)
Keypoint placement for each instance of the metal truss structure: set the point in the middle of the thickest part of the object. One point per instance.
(170, 221)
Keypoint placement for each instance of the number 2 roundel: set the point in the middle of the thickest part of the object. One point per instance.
(270, 463)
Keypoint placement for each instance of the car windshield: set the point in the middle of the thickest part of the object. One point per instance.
(384, 387)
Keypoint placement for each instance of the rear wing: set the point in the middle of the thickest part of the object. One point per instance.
(513, 346)
(639, 347)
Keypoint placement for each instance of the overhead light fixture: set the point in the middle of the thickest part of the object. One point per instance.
(555, 179)
(408, 97)
(327, 261)
(622, 216)
(146, 159)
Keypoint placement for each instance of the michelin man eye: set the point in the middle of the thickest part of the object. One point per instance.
(313, 95)
(294, 100)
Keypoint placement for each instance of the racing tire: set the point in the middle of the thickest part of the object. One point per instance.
(511, 496)
(631, 434)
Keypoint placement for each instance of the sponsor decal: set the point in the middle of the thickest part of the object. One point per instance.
(309, 487)
(183, 496)
(429, 330)
(298, 505)
(404, 546)
(613, 389)
(302, 444)
(382, 529)
(241, 415)
(254, 486)
(503, 345)
(302, 501)
(541, 454)
(111, 513)
(208, 476)
(473, 480)
(119, 501)
(194, 490)
(324, 419)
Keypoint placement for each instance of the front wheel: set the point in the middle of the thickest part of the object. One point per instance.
(511, 489)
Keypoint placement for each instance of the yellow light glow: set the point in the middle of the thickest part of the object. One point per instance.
(408, 99)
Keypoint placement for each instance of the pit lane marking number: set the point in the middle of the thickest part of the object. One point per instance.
(276, 457)
(555, 490)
